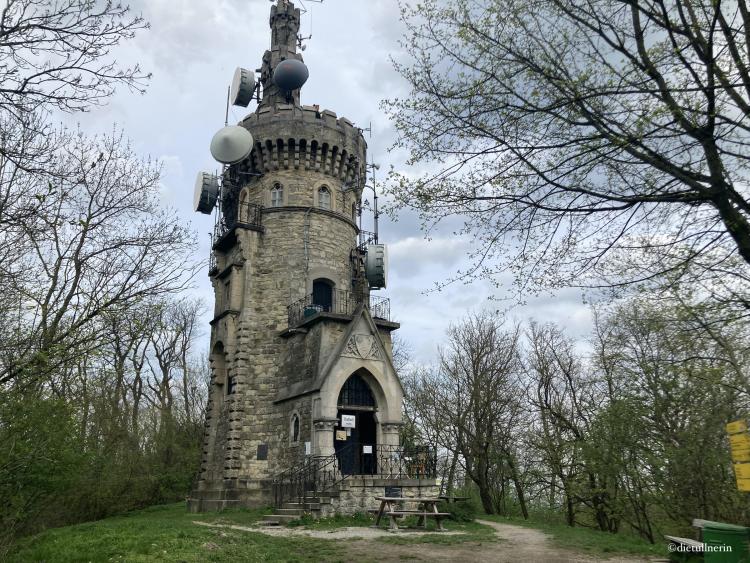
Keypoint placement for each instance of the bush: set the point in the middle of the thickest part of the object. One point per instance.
(461, 511)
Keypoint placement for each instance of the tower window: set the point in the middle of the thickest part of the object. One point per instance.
(231, 385)
(277, 195)
(294, 430)
(324, 198)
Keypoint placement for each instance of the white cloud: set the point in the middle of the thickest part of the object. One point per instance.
(409, 257)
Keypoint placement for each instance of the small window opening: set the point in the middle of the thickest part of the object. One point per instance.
(295, 428)
(324, 198)
(277, 195)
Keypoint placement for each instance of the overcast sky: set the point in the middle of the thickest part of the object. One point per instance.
(192, 50)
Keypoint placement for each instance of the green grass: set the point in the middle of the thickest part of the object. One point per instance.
(167, 533)
(358, 520)
(587, 539)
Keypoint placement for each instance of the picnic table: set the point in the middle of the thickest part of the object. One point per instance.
(426, 508)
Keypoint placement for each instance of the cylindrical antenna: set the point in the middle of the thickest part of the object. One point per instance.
(226, 114)
(375, 200)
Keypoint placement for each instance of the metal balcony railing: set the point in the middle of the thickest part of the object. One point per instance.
(248, 215)
(366, 238)
(341, 303)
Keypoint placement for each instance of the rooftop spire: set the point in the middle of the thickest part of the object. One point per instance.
(284, 22)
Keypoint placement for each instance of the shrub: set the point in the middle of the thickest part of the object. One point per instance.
(461, 511)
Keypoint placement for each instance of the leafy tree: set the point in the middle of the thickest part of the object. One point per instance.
(99, 242)
(584, 143)
(471, 406)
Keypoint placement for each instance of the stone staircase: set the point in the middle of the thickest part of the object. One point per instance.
(315, 505)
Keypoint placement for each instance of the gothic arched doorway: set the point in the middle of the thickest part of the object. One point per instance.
(355, 435)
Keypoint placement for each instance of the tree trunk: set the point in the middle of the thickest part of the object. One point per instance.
(519, 487)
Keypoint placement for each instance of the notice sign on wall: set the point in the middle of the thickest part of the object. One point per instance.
(341, 434)
(347, 420)
(366, 449)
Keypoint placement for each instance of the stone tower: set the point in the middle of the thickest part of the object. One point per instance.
(297, 341)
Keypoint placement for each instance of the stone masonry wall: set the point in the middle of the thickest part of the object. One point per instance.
(358, 494)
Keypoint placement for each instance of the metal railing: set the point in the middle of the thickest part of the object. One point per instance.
(366, 238)
(250, 214)
(305, 480)
(247, 215)
(317, 474)
(341, 302)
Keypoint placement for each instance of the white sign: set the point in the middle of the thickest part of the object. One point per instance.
(308, 449)
(366, 449)
(347, 420)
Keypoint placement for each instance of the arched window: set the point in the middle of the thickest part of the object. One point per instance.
(277, 195)
(356, 393)
(294, 428)
(322, 294)
(324, 197)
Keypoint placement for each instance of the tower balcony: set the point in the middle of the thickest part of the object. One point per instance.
(246, 216)
(341, 304)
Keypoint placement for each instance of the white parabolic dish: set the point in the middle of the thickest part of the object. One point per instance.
(243, 85)
(206, 192)
(231, 144)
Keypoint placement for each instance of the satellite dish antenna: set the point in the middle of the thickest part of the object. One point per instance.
(290, 74)
(206, 192)
(376, 266)
(231, 144)
(242, 88)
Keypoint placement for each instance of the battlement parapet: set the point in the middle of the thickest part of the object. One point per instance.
(288, 136)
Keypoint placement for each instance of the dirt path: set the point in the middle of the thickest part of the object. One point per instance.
(515, 544)
(337, 534)
(527, 544)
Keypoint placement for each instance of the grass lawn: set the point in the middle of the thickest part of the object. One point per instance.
(166, 533)
(588, 539)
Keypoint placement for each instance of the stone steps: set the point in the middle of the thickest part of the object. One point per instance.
(293, 510)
